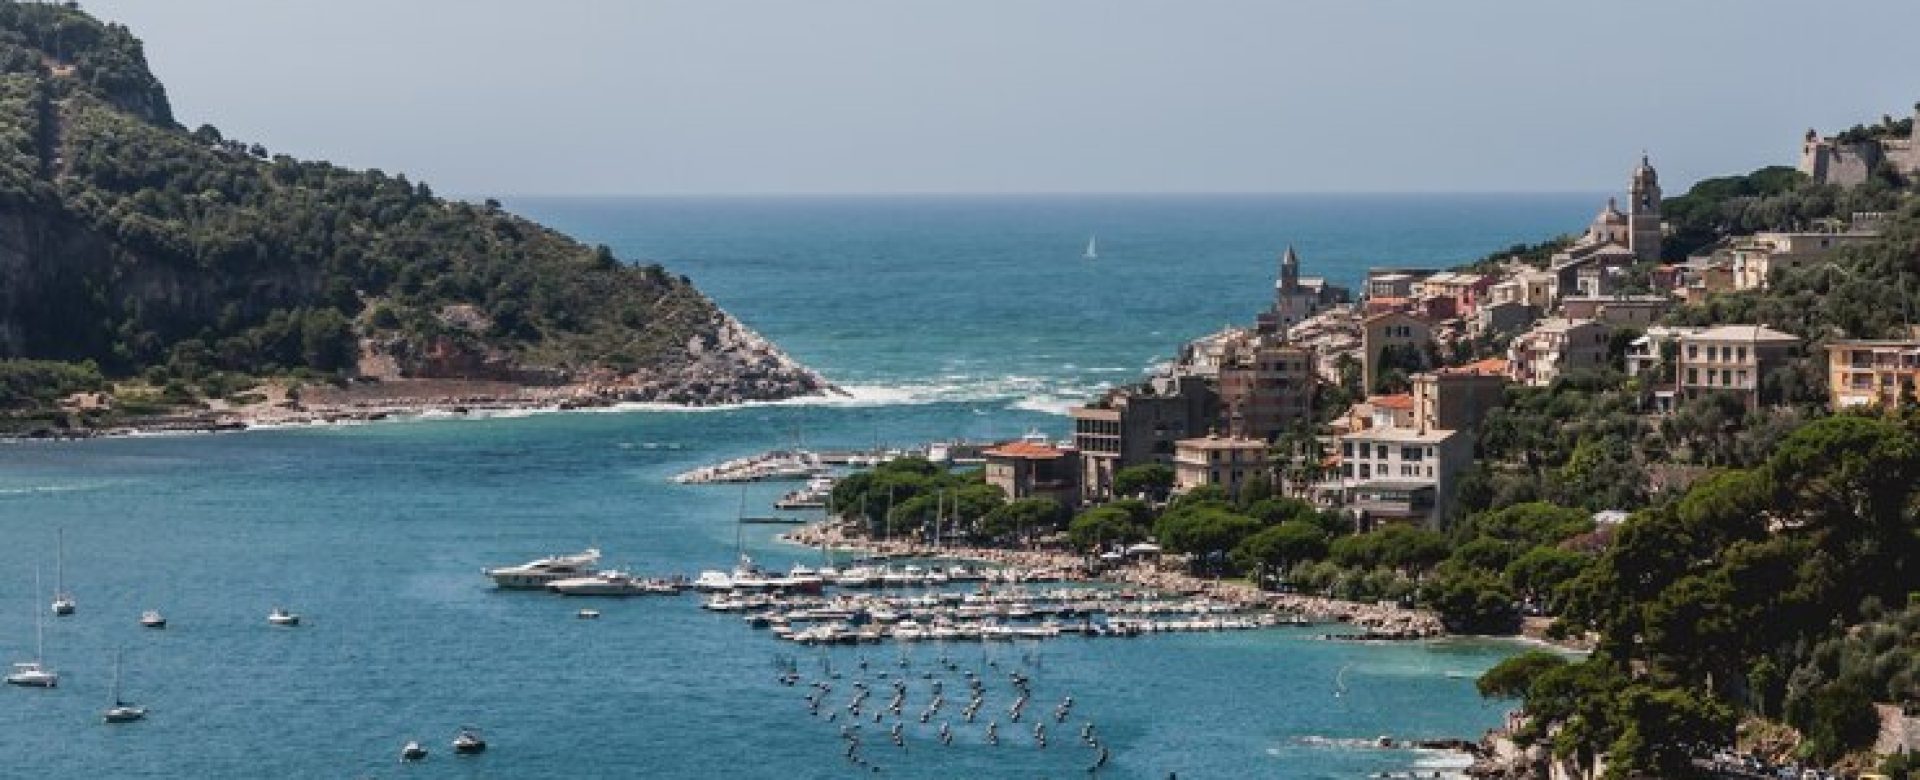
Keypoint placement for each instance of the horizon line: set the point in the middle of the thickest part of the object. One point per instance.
(999, 194)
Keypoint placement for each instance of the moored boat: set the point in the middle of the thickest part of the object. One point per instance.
(538, 573)
(469, 742)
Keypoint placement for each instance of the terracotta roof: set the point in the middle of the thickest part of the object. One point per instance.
(1026, 450)
(1400, 401)
(1489, 366)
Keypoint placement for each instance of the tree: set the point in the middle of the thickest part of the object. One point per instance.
(1511, 678)
(1153, 480)
(1274, 511)
(1022, 518)
(1100, 527)
(1474, 601)
(1538, 574)
(1278, 548)
(1205, 531)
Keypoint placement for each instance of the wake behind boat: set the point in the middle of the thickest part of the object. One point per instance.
(539, 573)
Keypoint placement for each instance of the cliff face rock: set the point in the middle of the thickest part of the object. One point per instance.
(129, 241)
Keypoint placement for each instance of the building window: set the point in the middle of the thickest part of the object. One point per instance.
(1346, 448)
(1380, 451)
(1693, 376)
(1692, 352)
(1742, 352)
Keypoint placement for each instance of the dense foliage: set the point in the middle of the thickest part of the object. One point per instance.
(1698, 604)
(1775, 198)
(148, 246)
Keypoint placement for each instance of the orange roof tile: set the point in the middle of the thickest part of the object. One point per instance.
(1487, 367)
(1400, 401)
(1026, 450)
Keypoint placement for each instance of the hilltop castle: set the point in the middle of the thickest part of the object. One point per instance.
(1847, 161)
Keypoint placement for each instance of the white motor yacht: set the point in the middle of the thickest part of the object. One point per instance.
(713, 581)
(536, 574)
(610, 583)
(413, 751)
(281, 617)
(153, 619)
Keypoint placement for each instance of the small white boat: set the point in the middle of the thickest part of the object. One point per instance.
(1093, 252)
(587, 614)
(468, 742)
(120, 711)
(153, 619)
(281, 617)
(412, 751)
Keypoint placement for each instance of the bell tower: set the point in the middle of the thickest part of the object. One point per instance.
(1643, 212)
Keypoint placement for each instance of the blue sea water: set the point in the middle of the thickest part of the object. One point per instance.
(946, 317)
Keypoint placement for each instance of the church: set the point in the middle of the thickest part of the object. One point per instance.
(1636, 230)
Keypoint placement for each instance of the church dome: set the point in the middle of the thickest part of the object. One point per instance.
(1611, 215)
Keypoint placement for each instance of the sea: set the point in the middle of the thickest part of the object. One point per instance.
(940, 316)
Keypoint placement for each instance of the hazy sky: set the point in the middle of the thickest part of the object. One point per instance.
(780, 96)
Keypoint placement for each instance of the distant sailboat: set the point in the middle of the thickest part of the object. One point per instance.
(62, 600)
(1093, 251)
(121, 711)
(34, 673)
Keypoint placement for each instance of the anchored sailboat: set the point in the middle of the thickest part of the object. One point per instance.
(120, 711)
(34, 673)
(62, 600)
(1093, 252)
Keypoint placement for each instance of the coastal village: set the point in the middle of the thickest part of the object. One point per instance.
(1378, 413)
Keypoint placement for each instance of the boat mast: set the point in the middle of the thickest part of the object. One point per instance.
(59, 564)
(116, 676)
(39, 624)
(739, 528)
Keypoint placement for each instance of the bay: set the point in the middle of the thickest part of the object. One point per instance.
(944, 317)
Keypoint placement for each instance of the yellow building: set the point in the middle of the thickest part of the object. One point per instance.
(1871, 372)
(1227, 461)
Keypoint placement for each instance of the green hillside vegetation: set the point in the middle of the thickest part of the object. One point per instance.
(1703, 605)
(177, 255)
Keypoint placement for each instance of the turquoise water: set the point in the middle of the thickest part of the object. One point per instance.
(948, 317)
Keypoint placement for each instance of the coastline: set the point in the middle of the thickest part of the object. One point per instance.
(406, 399)
(1376, 621)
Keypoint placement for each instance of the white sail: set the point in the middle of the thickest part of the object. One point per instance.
(1092, 250)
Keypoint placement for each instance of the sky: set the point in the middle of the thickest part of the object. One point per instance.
(611, 97)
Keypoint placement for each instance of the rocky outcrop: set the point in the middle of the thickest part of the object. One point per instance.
(730, 363)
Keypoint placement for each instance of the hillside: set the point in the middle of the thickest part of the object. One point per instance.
(198, 262)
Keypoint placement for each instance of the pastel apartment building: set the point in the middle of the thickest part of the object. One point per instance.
(1556, 347)
(1876, 372)
(1731, 359)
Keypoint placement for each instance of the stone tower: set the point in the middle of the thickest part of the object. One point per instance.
(1289, 270)
(1643, 212)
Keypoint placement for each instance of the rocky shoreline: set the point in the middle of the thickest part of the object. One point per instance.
(731, 365)
(1375, 621)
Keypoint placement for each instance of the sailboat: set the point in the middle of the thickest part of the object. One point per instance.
(1093, 252)
(120, 711)
(34, 673)
(62, 600)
